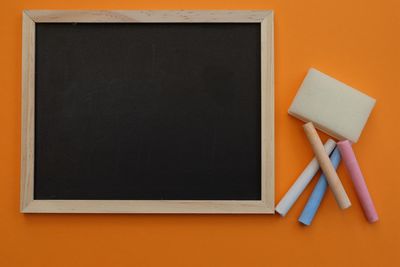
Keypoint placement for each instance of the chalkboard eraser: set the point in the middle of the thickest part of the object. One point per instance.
(332, 106)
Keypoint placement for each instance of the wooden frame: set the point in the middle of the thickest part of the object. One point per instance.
(30, 205)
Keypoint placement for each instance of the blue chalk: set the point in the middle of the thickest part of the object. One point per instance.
(318, 193)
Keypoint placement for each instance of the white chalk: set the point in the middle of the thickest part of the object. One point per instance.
(334, 107)
(302, 181)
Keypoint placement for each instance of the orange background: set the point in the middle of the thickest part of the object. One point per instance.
(355, 41)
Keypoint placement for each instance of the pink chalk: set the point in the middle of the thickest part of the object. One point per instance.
(354, 170)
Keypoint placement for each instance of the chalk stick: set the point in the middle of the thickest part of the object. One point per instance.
(318, 193)
(357, 177)
(326, 166)
(301, 182)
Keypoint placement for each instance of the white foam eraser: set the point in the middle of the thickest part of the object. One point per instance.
(334, 107)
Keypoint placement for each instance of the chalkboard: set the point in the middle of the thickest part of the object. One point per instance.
(148, 112)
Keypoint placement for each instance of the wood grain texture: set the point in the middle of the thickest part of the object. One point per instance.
(267, 111)
(28, 111)
(145, 206)
(326, 165)
(161, 16)
(265, 205)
